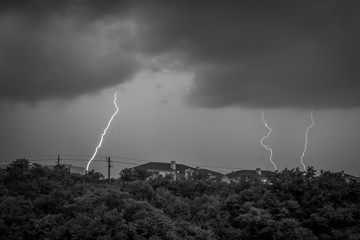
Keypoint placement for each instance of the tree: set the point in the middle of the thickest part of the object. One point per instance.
(18, 167)
(200, 175)
(133, 174)
(93, 177)
(41, 203)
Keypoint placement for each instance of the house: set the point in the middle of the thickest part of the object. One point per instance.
(350, 177)
(263, 175)
(178, 171)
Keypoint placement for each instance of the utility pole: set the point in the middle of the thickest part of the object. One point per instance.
(109, 166)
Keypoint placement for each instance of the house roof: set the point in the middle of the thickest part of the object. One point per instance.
(162, 166)
(351, 176)
(248, 173)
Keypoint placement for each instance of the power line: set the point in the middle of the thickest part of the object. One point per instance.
(35, 157)
(78, 160)
(117, 158)
(39, 156)
(99, 168)
(135, 159)
(114, 161)
(25, 157)
(85, 158)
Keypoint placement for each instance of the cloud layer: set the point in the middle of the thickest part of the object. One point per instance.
(263, 54)
(52, 50)
(252, 54)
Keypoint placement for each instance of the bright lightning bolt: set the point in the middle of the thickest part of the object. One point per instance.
(103, 134)
(306, 139)
(261, 142)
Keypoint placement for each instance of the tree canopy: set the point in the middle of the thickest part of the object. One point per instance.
(39, 203)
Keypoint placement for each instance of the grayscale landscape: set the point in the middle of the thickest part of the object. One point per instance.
(179, 119)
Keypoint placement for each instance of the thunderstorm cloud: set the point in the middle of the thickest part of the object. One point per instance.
(251, 54)
(62, 49)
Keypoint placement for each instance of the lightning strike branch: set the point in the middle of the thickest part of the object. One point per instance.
(104, 133)
(261, 142)
(306, 139)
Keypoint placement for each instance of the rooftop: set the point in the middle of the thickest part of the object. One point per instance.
(162, 166)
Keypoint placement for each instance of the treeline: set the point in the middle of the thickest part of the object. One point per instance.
(39, 203)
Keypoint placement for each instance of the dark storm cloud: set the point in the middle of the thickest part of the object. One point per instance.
(265, 54)
(262, 54)
(86, 8)
(61, 49)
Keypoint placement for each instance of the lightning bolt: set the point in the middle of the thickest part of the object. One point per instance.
(261, 142)
(104, 133)
(306, 139)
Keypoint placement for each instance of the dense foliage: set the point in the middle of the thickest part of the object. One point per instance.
(39, 203)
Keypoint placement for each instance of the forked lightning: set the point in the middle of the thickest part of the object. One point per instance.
(104, 133)
(306, 139)
(261, 142)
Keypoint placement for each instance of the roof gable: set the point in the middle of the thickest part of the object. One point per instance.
(162, 166)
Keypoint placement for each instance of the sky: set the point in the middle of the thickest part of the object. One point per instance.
(192, 80)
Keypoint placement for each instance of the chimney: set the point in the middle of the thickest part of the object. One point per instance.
(173, 165)
(258, 171)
